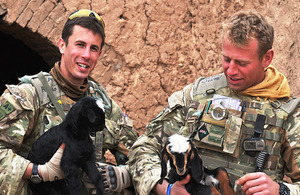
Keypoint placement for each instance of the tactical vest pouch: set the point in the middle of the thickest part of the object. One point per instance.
(212, 131)
(215, 135)
(98, 143)
(222, 131)
(233, 132)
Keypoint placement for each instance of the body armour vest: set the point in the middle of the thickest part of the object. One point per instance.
(231, 130)
(49, 115)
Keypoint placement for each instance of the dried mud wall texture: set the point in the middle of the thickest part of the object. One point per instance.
(156, 47)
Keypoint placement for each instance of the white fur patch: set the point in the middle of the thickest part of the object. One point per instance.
(178, 143)
(211, 181)
(100, 104)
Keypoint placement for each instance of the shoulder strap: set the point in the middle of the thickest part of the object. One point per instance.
(291, 105)
(52, 97)
(209, 85)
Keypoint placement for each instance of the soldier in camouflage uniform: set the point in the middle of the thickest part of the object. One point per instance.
(245, 113)
(26, 111)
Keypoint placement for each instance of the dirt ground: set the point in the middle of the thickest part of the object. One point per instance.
(154, 48)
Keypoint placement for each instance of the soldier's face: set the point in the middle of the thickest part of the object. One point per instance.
(80, 56)
(242, 66)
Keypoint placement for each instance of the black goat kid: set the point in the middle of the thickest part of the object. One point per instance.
(85, 117)
(184, 159)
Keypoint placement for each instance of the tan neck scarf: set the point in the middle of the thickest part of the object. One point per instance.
(274, 86)
(71, 90)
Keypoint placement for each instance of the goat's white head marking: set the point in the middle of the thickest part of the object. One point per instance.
(179, 149)
(178, 143)
(100, 104)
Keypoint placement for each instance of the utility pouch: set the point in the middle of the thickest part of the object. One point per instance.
(214, 134)
(98, 143)
(212, 131)
(220, 128)
(233, 133)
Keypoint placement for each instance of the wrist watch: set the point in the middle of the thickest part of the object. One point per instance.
(283, 189)
(35, 176)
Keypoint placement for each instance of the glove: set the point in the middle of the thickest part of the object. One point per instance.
(115, 178)
(51, 170)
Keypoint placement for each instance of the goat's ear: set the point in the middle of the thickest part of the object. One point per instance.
(164, 160)
(196, 165)
(91, 116)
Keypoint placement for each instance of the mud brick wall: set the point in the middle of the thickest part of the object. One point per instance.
(153, 48)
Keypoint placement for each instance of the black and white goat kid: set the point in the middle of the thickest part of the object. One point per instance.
(85, 117)
(184, 159)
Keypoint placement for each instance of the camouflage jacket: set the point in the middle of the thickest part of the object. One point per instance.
(194, 107)
(26, 112)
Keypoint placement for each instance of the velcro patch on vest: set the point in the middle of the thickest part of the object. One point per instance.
(202, 132)
(6, 109)
(2, 114)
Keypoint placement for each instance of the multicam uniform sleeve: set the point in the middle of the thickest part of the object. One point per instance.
(145, 154)
(291, 154)
(18, 104)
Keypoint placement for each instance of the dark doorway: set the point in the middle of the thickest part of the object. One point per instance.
(17, 60)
